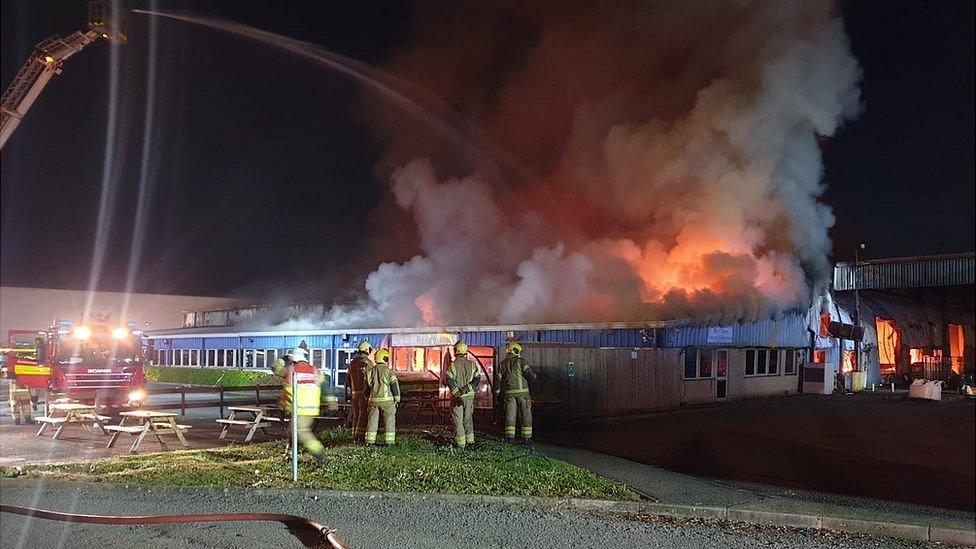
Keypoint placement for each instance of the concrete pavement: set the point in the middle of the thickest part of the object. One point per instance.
(679, 495)
(371, 520)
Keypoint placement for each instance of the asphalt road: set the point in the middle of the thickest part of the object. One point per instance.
(867, 445)
(364, 521)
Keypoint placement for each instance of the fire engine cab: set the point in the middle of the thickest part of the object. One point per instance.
(94, 362)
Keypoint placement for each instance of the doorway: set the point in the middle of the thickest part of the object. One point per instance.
(721, 374)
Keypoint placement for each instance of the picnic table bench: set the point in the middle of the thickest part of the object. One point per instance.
(149, 421)
(260, 418)
(71, 413)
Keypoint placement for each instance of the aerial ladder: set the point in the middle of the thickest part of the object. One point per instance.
(46, 61)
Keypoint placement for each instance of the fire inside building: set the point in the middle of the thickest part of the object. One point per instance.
(913, 313)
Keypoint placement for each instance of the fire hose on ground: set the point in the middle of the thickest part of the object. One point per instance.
(310, 533)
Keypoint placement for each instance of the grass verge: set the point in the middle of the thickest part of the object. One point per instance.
(210, 377)
(419, 462)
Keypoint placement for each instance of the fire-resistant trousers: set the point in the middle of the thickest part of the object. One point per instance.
(20, 409)
(360, 414)
(462, 412)
(520, 405)
(388, 410)
(307, 438)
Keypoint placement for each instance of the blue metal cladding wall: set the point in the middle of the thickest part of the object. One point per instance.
(789, 331)
(483, 339)
(263, 342)
(600, 338)
(189, 343)
(214, 342)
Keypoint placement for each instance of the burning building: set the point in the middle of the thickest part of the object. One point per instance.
(916, 313)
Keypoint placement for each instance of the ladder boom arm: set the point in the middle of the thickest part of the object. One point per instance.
(30, 80)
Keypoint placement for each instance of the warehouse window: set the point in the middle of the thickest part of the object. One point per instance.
(162, 357)
(691, 363)
(318, 358)
(763, 362)
(194, 358)
(231, 360)
(698, 364)
(789, 362)
(722, 363)
(259, 361)
(888, 344)
(957, 346)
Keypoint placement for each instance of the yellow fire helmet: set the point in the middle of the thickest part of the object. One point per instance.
(513, 347)
(365, 346)
(382, 356)
(460, 348)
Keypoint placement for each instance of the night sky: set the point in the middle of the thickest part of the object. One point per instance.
(265, 179)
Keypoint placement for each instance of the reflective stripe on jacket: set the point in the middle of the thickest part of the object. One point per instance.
(308, 380)
(512, 376)
(462, 378)
(382, 385)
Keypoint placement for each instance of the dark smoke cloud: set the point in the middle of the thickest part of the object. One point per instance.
(673, 152)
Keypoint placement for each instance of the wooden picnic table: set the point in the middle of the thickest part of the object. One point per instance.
(149, 421)
(427, 401)
(69, 413)
(260, 417)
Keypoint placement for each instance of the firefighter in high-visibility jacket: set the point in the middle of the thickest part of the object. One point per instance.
(462, 379)
(383, 392)
(308, 399)
(356, 381)
(511, 384)
(20, 402)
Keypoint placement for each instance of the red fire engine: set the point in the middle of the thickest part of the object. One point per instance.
(96, 362)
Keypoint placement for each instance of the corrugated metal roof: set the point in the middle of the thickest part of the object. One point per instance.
(906, 272)
(787, 331)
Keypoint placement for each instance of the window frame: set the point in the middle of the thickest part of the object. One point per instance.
(712, 368)
(769, 368)
(791, 361)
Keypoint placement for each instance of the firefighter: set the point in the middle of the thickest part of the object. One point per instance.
(462, 379)
(20, 402)
(309, 381)
(511, 383)
(356, 381)
(383, 392)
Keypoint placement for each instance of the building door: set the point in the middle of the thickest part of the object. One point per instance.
(342, 359)
(721, 373)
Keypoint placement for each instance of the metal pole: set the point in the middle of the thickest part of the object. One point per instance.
(857, 309)
(294, 424)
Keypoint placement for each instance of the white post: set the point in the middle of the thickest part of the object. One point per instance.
(294, 425)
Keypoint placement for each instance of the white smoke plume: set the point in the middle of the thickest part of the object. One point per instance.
(676, 144)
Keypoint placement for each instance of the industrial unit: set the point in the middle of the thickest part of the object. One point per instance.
(596, 369)
(584, 369)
